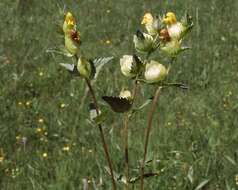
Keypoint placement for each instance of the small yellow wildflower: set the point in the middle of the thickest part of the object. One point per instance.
(40, 120)
(19, 103)
(2, 155)
(28, 103)
(62, 105)
(18, 137)
(66, 148)
(236, 179)
(108, 11)
(39, 130)
(1, 159)
(90, 151)
(108, 42)
(44, 155)
(41, 74)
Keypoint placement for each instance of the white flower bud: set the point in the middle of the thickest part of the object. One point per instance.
(128, 66)
(155, 72)
(176, 30)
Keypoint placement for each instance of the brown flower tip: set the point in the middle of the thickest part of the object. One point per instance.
(164, 35)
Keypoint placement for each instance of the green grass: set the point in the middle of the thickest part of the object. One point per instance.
(200, 124)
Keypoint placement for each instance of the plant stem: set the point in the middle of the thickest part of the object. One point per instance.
(147, 133)
(126, 151)
(102, 134)
(126, 146)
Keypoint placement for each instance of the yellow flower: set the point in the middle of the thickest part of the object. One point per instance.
(66, 148)
(170, 18)
(18, 137)
(2, 155)
(147, 19)
(108, 42)
(151, 24)
(176, 29)
(41, 74)
(62, 105)
(44, 155)
(19, 103)
(28, 103)
(39, 130)
(41, 120)
(69, 23)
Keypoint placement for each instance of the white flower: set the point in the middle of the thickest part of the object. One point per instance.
(155, 72)
(125, 94)
(126, 63)
(176, 30)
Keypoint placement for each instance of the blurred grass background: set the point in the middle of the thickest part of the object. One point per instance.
(46, 141)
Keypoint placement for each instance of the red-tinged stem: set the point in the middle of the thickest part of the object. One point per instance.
(147, 134)
(102, 135)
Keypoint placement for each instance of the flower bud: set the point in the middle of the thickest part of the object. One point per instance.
(155, 72)
(171, 48)
(84, 68)
(125, 94)
(151, 24)
(129, 66)
(69, 23)
(143, 42)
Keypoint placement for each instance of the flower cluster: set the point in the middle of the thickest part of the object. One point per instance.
(163, 33)
(71, 35)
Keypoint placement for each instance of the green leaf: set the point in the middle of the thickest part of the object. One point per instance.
(145, 103)
(100, 118)
(71, 68)
(99, 63)
(190, 174)
(232, 161)
(202, 184)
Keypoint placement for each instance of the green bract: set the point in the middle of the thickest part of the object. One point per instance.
(143, 42)
(71, 46)
(84, 68)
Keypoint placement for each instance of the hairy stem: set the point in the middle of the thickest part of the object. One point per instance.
(102, 134)
(147, 133)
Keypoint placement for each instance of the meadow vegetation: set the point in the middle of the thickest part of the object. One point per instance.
(46, 138)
